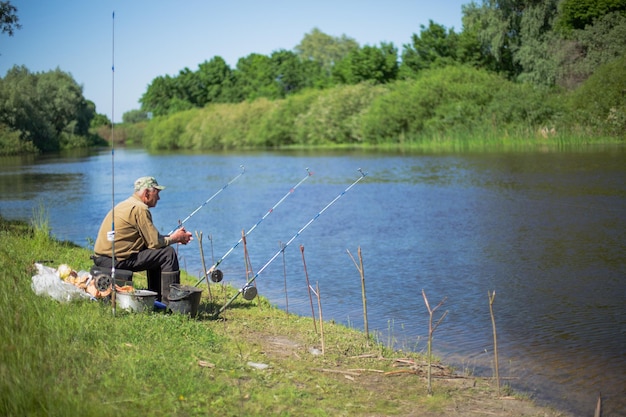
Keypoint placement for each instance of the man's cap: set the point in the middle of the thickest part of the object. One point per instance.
(146, 183)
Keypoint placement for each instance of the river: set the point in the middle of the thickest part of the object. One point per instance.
(545, 230)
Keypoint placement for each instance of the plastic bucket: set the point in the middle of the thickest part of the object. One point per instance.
(184, 299)
(138, 300)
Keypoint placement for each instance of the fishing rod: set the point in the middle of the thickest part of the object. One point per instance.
(247, 290)
(180, 224)
(111, 234)
(216, 274)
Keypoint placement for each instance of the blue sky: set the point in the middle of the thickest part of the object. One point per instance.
(159, 37)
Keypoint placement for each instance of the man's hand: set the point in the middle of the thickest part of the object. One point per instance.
(181, 236)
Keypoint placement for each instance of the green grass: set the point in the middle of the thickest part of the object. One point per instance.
(80, 359)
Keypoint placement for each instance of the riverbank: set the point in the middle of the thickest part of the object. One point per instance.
(79, 359)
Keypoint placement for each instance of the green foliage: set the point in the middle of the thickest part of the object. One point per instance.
(324, 49)
(168, 132)
(9, 21)
(228, 126)
(370, 63)
(596, 45)
(99, 120)
(599, 102)
(538, 53)
(157, 96)
(256, 78)
(218, 126)
(277, 128)
(11, 143)
(450, 101)
(131, 133)
(578, 14)
(215, 79)
(519, 39)
(47, 109)
(493, 30)
(335, 116)
(134, 116)
(455, 104)
(433, 47)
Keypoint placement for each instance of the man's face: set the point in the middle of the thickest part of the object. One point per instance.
(151, 196)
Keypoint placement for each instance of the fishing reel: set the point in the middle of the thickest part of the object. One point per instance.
(102, 282)
(217, 275)
(103, 279)
(249, 292)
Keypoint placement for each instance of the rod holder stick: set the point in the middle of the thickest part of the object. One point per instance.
(199, 238)
(229, 302)
(308, 287)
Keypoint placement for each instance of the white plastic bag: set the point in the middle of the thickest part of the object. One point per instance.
(47, 282)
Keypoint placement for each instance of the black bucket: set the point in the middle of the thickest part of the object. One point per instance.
(184, 299)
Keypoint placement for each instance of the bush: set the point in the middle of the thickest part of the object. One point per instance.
(455, 101)
(336, 115)
(278, 128)
(600, 101)
(168, 132)
(11, 144)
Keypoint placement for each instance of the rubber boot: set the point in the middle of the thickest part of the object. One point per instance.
(154, 281)
(167, 279)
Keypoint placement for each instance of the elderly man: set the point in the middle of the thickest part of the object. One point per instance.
(138, 244)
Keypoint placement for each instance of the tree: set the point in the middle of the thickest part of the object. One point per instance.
(324, 49)
(99, 120)
(370, 63)
(157, 97)
(599, 101)
(273, 77)
(578, 14)
(19, 109)
(434, 47)
(216, 81)
(48, 109)
(537, 54)
(134, 116)
(61, 100)
(9, 22)
(496, 28)
(289, 73)
(588, 49)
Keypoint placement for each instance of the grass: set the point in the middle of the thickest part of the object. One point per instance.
(62, 359)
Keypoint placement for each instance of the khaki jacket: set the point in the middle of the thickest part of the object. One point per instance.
(134, 230)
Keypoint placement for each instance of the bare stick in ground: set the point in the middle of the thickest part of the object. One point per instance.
(359, 267)
(321, 318)
(246, 256)
(199, 238)
(431, 330)
(308, 287)
(212, 256)
(492, 297)
(282, 248)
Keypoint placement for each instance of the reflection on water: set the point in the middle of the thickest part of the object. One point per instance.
(546, 231)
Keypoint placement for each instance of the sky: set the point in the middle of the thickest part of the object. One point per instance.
(115, 48)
